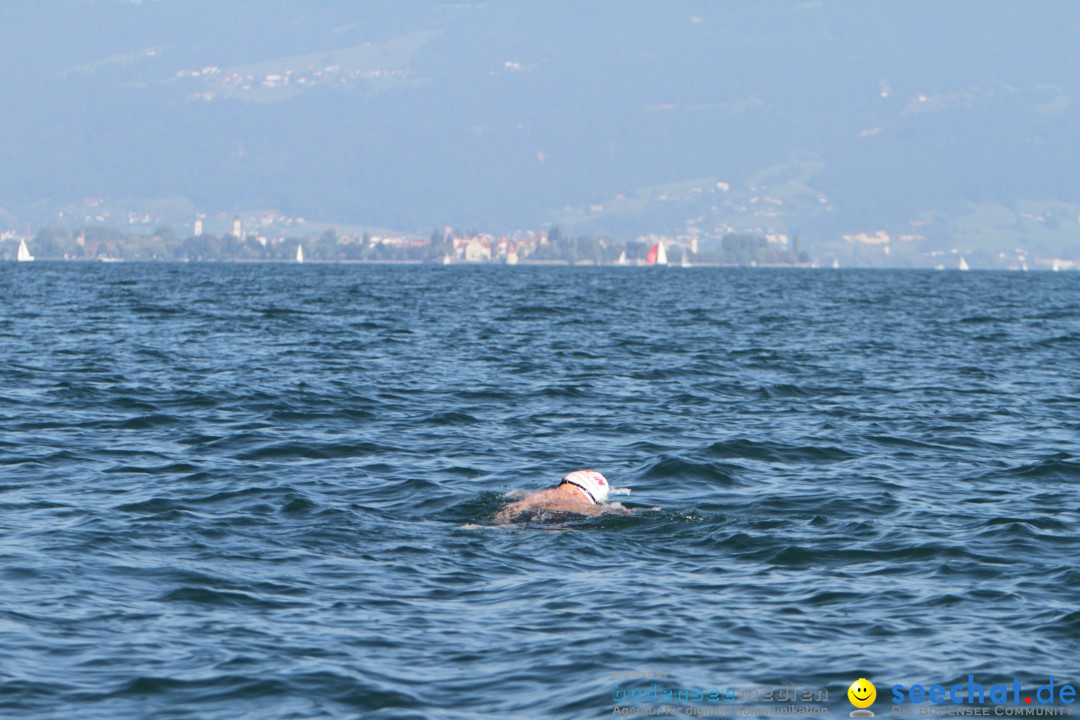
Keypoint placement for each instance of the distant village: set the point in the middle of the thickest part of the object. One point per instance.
(224, 82)
(252, 243)
(95, 230)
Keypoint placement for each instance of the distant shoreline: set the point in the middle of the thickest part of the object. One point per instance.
(523, 263)
(541, 263)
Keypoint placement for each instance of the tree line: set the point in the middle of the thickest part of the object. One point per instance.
(165, 244)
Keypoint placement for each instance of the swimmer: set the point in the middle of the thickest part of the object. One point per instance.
(582, 492)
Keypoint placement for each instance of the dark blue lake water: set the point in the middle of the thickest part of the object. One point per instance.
(247, 491)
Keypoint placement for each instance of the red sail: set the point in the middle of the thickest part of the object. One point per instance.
(650, 259)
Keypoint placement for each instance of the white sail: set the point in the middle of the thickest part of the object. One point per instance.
(963, 264)
(24, 252)
(685, 262)
(836, 263)
(300, 253)
(622, 258)
(661, 255)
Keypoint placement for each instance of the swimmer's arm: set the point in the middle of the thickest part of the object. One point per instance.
(529, 502)
(511, 511)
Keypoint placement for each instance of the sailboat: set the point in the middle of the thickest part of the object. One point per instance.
(685, 261)
(963, 264)
(24, 252)
(299, 253)
(836, 263)
(657, 255)
(622, 258)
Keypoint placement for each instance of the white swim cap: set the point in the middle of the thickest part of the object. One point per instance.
(593, 483)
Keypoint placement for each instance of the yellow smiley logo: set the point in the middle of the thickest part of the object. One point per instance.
(862, 693)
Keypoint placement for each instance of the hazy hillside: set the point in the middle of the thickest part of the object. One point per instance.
(913, 117)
